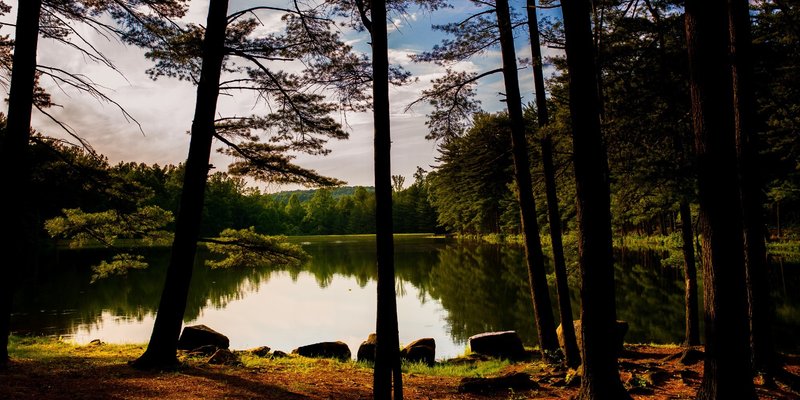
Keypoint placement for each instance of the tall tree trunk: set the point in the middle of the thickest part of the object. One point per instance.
(763, 353)
(387, 352)
(726, 372)
(684, 156)
(572, 354)
(542, 307)
(600, 378)
(16, 223)
(689, 276)
(161, 351)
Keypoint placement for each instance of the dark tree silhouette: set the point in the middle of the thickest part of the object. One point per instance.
(24, 95)
(452, 98)
(572, 355)
(14, 161)
(726, 372)
(537, 276)
(600, 379)
(387, 356)
(298, 121)
(161, 350)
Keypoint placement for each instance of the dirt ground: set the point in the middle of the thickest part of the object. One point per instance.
(644, 369)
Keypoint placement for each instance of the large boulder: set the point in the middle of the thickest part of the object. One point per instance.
(201, 335)
(420, 350)
(366, 352)
(337, 350)
(621, 328)
(505, 344)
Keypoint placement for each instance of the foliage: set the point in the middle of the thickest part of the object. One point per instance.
(119, 265)
(470, 187)
(106, 227)
(247, 248)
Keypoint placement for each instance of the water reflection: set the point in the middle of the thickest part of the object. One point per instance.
(447, 290)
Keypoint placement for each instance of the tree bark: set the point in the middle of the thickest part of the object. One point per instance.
(726, 371)
(689, 276)
(600, 378)
(572, 355)
(387, 352)
(763, 353)
(15, 163)
(542, 307)
(161, 351)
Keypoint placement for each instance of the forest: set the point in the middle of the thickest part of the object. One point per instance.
(674, 120)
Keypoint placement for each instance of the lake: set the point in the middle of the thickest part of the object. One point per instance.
(448, 290)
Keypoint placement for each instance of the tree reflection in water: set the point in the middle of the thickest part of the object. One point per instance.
(481, 287)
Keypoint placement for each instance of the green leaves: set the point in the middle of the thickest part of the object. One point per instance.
(106, 227)
(119, 265)
(247, 248)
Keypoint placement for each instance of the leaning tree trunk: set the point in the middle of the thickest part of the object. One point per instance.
(572, 354)
(763, 353)
(161, 351)
(726, 372)
(600, 378)
(542, 308)
(387, 351)
(17, 226)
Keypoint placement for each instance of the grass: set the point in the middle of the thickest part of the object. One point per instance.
(48, 368)
(475, 369)
(55, 351)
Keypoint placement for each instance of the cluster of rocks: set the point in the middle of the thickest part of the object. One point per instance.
(200, 340)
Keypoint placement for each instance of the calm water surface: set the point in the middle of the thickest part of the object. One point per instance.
(446, 290)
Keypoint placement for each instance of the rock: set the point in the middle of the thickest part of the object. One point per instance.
(515, 381)
(420, 350)
(468, 359)
(223, 356)
(204, 351)
(279, 354)
(619, 340)
(366, 352)
(691, 357)
(498, 344)
(201, 335)
(262, 351)
(337, 350)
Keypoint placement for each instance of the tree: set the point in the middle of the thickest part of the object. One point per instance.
(645, 105)
(571, 351)
(13, 156)
(726, 372)
(600, 379)
(298, 121)
(452, 99)
(471, 182)
(24, 95)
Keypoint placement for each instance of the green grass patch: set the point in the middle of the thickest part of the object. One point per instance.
(56, 351)
(473, 369)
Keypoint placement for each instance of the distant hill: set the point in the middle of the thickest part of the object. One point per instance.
(305, 195)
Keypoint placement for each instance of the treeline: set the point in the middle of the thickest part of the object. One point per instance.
(646, 129)
(68, 177)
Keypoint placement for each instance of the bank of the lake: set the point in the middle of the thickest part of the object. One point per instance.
(53, 369)
(448, 289)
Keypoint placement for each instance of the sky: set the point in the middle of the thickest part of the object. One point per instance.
(164, 107)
